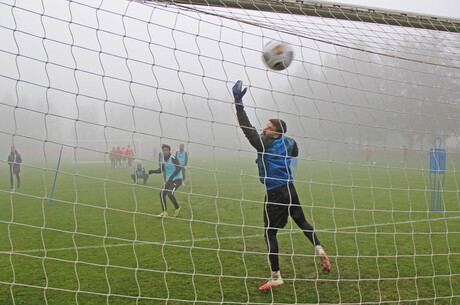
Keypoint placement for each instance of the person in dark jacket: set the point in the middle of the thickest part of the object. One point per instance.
(274, 154)
(14, 161)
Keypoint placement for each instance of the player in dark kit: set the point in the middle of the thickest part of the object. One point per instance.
(172, 176)
(274, 154)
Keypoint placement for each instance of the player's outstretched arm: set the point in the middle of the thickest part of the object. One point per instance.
(155, 171)
(249, 131)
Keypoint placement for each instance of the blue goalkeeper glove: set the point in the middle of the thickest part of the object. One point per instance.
(238, 93)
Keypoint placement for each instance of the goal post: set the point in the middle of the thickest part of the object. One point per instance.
(335, 11)
(366, 94)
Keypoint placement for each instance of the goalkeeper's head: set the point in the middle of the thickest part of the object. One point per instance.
(275, 128)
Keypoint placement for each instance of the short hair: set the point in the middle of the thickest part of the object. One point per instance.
(280, 125)
(166, 146)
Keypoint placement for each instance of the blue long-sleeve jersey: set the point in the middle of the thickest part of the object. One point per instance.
(273, 155)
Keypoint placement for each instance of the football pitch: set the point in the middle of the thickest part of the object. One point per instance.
(101, 242)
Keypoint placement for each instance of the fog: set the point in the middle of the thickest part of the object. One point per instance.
(90, 76)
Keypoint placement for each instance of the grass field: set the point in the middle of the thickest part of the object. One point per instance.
(100, 242)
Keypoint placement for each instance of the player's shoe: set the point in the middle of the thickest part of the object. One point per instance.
(177, 212)
(325, 263)
(164, 214)
(273, 282)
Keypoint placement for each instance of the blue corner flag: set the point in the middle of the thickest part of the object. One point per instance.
(437, 174)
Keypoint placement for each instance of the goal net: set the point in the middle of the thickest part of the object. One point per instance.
(369, 96)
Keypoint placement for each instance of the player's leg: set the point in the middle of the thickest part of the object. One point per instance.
(18, 179)
(173, 186)
(273, 250)
(146, 177)
(133, 176)
(299, 218)
(275, 217)
(297, 214)
(163, 194)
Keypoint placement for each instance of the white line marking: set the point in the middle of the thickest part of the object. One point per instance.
(139, 243)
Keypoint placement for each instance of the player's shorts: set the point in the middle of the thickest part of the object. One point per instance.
(280, 203)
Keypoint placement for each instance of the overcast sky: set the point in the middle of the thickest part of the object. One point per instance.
(446, 8)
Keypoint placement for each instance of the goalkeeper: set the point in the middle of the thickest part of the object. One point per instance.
(172, 177)
(274, 153)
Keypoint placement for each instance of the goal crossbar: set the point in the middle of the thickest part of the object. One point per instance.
(333, 11)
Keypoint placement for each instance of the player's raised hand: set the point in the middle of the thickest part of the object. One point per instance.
(238, 93)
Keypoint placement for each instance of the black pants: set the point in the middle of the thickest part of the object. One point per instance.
(168, 190)
(280, 203)
(18, 179)
(137, 177)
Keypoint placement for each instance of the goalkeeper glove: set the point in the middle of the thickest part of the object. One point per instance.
(238, 93)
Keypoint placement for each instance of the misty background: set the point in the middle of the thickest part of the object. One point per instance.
(91, 75)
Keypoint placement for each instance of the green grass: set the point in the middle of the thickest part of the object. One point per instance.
(100, 241)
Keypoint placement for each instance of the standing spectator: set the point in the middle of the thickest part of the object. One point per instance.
(123, 156)
(129, 156)
(182, 157)
(140, 173)
(113, 158)
(368, 154)
(14, 161)
(118, 157)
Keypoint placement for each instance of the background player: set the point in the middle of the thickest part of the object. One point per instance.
(139, 173)
(182, 157)
(172, 177)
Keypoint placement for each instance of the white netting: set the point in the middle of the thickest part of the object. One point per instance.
(363, 100)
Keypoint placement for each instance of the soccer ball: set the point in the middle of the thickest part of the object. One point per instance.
(277, 55)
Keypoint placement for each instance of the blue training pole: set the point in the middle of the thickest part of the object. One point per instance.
(55, 176)
(437, 174)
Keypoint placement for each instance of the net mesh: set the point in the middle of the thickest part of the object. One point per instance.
(363, 100)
